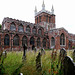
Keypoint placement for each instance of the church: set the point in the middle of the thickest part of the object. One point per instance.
(42, 34)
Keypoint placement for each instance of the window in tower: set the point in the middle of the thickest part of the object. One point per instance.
(39, 18)
(46, 18)
(49, 19)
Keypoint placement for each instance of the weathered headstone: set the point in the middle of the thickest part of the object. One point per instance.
(24, 52)
(73, 56)
(33, 47)
(68, 66)
(63, 54)
(38, 62)
(42, 51)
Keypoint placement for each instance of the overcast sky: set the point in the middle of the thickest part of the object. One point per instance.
(24, 10)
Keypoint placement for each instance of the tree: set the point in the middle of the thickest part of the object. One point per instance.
(0, 26)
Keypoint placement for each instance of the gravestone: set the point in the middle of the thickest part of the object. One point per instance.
(24, 52)
(33, 47)
(42, 51)
(68, 66)
(63, 54)
(73, 56)
(38, 62)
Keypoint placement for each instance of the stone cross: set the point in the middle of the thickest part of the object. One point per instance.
(68, 66)
(24, 52)
(73, 56)
(38, 62)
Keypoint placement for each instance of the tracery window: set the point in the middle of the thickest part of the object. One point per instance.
(34, 30)
(39, 18)
(16, 40)
(38, 42)
(28, 29)
(24, 40)
(44, 42)
(40, 31)
(52, 42)
(62, 39)
(20, 28)
(6, 40)
(32, 41)
(12, 27)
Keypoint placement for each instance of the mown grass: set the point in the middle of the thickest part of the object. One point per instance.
(14, 59)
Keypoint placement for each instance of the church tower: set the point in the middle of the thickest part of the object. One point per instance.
(45, 18)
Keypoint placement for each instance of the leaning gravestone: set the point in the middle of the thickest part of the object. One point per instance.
(68, 66)
(42, 51)
(24, 52)
(73, 56)
(38, 62)
(63, 54)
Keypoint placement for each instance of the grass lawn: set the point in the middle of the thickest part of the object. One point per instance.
(14, 60)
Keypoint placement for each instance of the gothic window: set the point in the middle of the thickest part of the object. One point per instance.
(34, 30)
(40, 31)
(12, 27)
(38, 42)
(16, 40)
(39, 18)
(6, 40)
(52, 42)
(44, 42)
(49, 19)
(0, 40)
(28, 29)
(20, 28)
(62, 39)
(24, 40)
(32, 41)
(46, 18)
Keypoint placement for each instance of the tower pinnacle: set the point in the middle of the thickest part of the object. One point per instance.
(35, 10)
(43, 6)
(52, 10)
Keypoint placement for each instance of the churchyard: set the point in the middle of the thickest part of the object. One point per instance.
(41, 62)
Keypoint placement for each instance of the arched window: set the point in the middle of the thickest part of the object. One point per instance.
(24, 40)
(62, 39)
(16, 40)
(38, 42)
(34, 30)
(52, 42)
(28, 29)
(6, 40)
(44, 42)
(40, 31)
(32, 41)
(0, 40)
(20, 28)
(12, 27)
